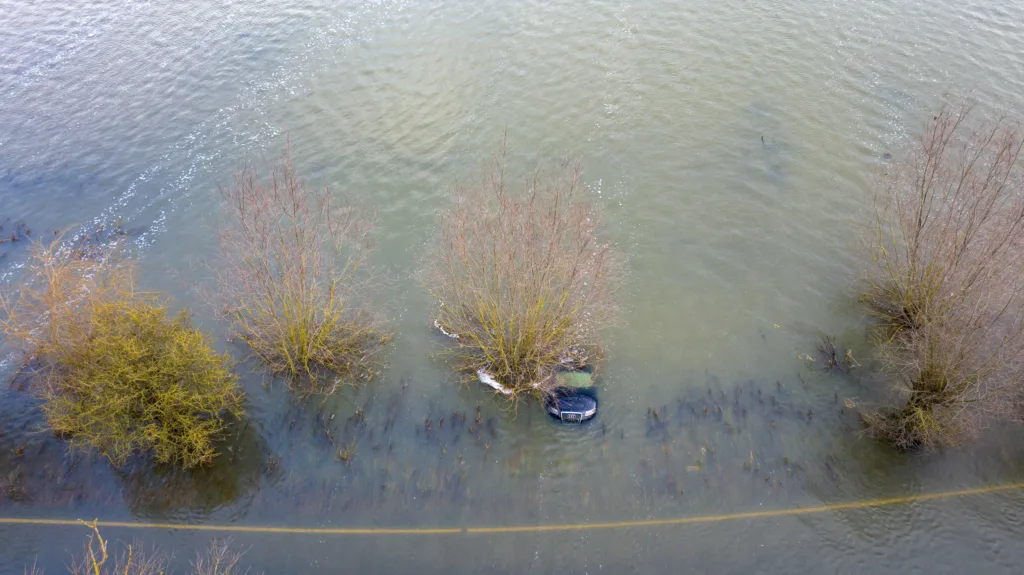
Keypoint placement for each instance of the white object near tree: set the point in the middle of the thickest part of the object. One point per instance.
(486, 378)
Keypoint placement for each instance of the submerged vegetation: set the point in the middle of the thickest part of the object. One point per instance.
(294, 274)
(114, 370)
(524, 288)
(101, 557)
(523, 283)
(946, 279)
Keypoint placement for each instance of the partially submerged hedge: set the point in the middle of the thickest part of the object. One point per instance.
(946, 280)
(293, 276)
(115, 371)
(524, 285)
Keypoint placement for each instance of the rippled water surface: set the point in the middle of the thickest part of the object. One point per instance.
(732, 145)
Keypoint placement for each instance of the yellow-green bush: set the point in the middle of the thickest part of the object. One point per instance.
(116, 373)
(143, 381)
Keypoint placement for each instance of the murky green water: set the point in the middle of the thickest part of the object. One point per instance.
(740, 257)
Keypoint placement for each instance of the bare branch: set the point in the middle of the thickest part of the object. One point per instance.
(520, 277)
(946, 279)
(293, 274)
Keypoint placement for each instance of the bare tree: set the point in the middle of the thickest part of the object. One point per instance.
(946, 279)
(219, 559)
(100, 556)
(99, 559)
(294, 275)
(523, 284)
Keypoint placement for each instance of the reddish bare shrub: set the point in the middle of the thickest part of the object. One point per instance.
(293, 276)
(523, 284)
(946, 279)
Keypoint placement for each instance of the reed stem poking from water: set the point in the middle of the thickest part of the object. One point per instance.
(293, 275)
(523, 284)
(946, 281)
(115, 372)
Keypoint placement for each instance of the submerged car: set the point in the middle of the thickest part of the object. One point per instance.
(574, 400)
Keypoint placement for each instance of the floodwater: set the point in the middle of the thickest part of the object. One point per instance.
(732, 145)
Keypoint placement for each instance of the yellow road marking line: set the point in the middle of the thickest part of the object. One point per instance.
(530, 528)
(753, 514)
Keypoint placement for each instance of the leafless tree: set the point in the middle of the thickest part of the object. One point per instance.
(523, 284)
(219, 559)
(294, 275)
(946, 279)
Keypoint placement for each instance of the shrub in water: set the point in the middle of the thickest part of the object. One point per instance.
(524, 286)
(115, 372)
(293, 271)
(946, 280)
(132, 559)
(101, 557)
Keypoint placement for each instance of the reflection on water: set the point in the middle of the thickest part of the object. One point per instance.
(367, 461)
(731, 146)
(373, 461)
